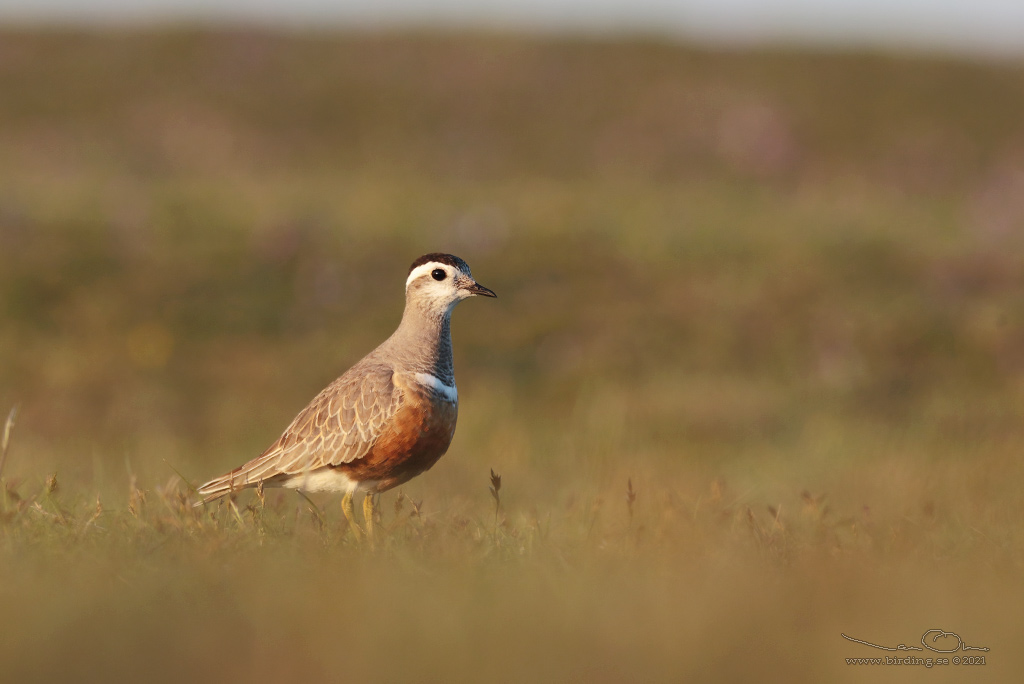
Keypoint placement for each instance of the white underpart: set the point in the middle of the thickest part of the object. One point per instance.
(326, 480)
(449, 392)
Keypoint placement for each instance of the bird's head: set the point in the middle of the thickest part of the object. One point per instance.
(439, 281)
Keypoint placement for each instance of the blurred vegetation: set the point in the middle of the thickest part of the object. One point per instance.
(779, 274)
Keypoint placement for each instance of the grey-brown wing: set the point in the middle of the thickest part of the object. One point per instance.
(339, 426)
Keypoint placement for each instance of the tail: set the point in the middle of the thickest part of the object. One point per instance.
(216, 488)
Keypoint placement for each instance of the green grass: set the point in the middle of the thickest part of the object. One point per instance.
(775, 295)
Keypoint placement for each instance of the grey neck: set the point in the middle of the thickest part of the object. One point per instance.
(423, 343)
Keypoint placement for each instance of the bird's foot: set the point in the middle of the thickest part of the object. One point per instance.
(350, 515)
(368, 517)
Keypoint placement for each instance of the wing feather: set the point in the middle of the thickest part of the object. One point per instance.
(339, 426)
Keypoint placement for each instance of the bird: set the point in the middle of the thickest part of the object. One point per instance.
(385, 420)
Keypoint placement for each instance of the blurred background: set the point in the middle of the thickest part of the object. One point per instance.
(750, 252)
(700, 248)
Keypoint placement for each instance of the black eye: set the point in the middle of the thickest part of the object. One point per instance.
(438, 274)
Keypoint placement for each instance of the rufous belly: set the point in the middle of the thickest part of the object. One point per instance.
(415, 438)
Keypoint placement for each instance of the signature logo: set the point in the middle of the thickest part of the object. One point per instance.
(932, 635)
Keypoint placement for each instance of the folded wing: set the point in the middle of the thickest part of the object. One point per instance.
(339, 426)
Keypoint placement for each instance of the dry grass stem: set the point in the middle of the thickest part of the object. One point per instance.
(6, 442)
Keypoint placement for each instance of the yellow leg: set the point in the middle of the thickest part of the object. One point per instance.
(368, 515)
(350, 514)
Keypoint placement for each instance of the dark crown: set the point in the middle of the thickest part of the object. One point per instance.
(441, 258)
